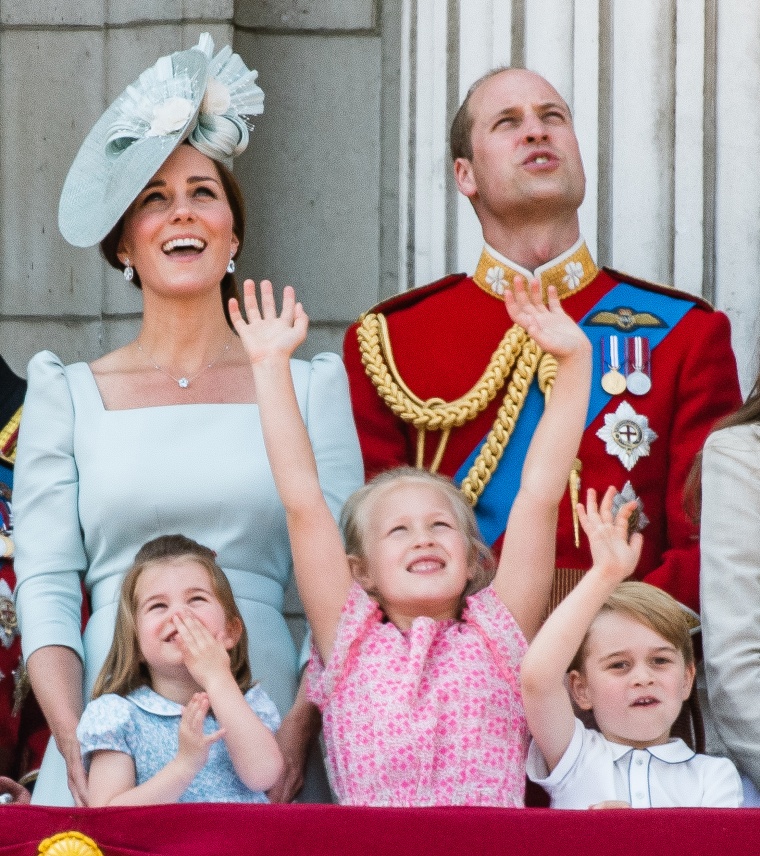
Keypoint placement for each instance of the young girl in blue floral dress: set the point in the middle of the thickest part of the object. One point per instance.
(179, 652)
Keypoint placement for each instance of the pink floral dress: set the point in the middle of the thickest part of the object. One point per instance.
(432, 716)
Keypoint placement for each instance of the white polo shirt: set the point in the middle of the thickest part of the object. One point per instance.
(594, 770)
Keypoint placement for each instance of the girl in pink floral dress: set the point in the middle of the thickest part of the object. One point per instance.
(417, 644)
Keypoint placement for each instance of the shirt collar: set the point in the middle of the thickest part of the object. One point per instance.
(151, 702)
(568, 273)
(673, 752)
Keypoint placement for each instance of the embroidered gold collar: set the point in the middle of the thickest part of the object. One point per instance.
(568, 274)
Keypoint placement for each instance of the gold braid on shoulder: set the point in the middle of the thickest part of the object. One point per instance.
(8, 438)
(517, 357)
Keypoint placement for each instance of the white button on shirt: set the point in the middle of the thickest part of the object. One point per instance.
(594, 770)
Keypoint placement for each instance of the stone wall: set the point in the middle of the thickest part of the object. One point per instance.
(312, 176)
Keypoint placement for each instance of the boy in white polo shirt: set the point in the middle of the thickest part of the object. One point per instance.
(631, 662)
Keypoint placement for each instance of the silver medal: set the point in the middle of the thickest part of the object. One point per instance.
(638, 380)
(627, 435)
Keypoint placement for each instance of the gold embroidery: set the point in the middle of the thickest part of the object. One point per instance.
(69, 844)
(565, 580)
(8, 435)
(517, 354)
(569, 275)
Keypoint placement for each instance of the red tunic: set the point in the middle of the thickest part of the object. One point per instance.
(23, 731)
(443, 336)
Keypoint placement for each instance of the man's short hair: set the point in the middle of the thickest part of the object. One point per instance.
(460, 136)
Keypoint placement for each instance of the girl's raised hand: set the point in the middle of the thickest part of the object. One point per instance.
(194, 745)
(612, 551)
(553, 329)
(265, 333)
(205, 656)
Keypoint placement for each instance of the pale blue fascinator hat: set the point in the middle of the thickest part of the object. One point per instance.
(190, 95)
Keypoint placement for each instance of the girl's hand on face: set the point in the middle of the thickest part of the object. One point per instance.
(194, 745)
(550, 326)
(613, 552)
(204, 655)
(265, 334)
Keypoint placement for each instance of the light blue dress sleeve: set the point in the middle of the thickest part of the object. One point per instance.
(50, 553)
(330, 423)
(263, 707)
(329, 420)
(106, 724)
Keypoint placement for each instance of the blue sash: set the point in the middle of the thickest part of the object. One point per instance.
(493, 507)
(6, 480)
(6, 474)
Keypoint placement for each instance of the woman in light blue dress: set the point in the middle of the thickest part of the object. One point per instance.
(162, 435)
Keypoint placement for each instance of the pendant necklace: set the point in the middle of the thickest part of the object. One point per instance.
(184, 381)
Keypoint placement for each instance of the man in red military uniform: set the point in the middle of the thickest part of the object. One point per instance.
(23, 732)
(440, 379)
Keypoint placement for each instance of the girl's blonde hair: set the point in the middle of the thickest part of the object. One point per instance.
(124, 669)
(358, 507)
(656, 609)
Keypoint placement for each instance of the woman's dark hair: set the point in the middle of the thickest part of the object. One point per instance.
(109, 246)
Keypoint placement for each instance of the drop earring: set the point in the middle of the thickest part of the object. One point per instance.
(231, 266)
(129, 271)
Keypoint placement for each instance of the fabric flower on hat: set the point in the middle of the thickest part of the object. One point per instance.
(160, 103)
(217, 99)
(231, 97)
(170, 116)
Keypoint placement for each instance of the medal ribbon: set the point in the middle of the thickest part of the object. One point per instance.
(492, 510)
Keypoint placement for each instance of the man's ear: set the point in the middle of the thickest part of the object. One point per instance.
(464, 177)
(576, 682)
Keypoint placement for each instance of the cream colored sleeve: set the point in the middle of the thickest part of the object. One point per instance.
(730, 589)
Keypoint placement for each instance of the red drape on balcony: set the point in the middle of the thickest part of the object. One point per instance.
(311, 830)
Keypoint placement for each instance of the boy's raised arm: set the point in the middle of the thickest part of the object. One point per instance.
(548, 709)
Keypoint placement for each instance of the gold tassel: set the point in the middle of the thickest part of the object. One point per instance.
(575, 493)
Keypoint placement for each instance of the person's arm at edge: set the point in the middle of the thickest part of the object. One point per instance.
(55, 673)
(300, 726)
(730, 581)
